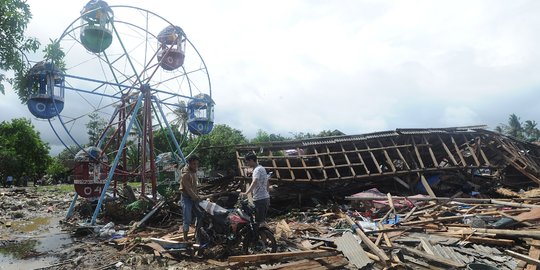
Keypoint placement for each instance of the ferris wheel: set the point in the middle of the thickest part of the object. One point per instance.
(137, 71)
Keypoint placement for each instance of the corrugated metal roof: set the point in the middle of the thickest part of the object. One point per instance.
(350, 247)
(363, 137)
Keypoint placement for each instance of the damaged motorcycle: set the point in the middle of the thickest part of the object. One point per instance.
(221, 232)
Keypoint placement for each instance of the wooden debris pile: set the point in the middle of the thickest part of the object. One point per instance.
(428, 233)
(372, 231)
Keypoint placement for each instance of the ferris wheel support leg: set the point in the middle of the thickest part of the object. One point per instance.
(139, 131)
(72, 206)
(117, 159)
(170, 130)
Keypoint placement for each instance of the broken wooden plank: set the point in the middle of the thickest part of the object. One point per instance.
(426, 186)
(350, 247)
(281, 256)
(283, 230)
(137, 225)
(430, 257)
(218, 263)
(306, 244)
(384, 258)
(480, 240)
(520, 205)
(519, 233)
(522, 257)
(534, 252)
(158, 250)
(452, 218)
(403, 183)
(465, 200)
(408, 215)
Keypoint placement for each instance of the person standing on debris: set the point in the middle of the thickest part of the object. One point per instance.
(9, 181)
(259, 188)
(188, 190)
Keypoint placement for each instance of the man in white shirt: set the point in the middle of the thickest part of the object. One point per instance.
(259, 188)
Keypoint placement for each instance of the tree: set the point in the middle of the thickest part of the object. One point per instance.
(324, 133)
(163, 141)
(217, 149)
(57, 170)
(21, 149)
(531, 132)
(263, 136)
(67, 154)
(180, 117)
(515, 128)
(330, 133)
(14, 18)
(95, 128)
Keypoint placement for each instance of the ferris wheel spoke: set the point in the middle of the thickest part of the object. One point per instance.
(126, 53)
(101, 82)
(184, 74)
(146, 43)
(100, 62)
(76, 118)
(120, 90)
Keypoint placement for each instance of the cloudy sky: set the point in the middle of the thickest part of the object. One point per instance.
(357, 66)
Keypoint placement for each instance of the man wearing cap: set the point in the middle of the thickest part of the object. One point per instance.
(188, 189)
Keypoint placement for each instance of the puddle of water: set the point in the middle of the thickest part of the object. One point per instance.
(32, 225)
(41, 236)
(19, 250)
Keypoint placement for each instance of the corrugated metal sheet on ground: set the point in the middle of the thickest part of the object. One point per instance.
(351, 248)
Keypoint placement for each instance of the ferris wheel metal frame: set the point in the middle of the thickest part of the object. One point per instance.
(143, 91)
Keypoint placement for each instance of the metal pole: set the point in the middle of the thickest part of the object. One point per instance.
(150, 135)
(170, 131)
(117, 158)
(72, 206)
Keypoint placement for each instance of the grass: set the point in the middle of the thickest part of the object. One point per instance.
(66, 188)
(61, 188)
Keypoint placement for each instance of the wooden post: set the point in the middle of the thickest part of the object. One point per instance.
(361, 159)
(384, 258)
(401, 155)
(435, 163)
(332, 161)
(373, 157)
(450, 155)
(426, 186)
(417, 153)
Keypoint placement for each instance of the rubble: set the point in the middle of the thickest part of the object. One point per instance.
(452, 198)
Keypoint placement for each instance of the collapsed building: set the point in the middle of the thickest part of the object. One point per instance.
(354, 226)
(436, 161)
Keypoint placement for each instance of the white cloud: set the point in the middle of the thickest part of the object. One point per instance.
(459, 115)
(357, 66)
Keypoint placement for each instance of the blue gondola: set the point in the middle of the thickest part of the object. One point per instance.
(46, 83)
(172, 43)
(200, 114)
(96, 26)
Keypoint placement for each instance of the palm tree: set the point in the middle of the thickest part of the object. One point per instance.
(180, 117)
(514, 127)
(531, 132)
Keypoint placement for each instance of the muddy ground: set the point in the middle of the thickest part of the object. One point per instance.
(34, 236)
